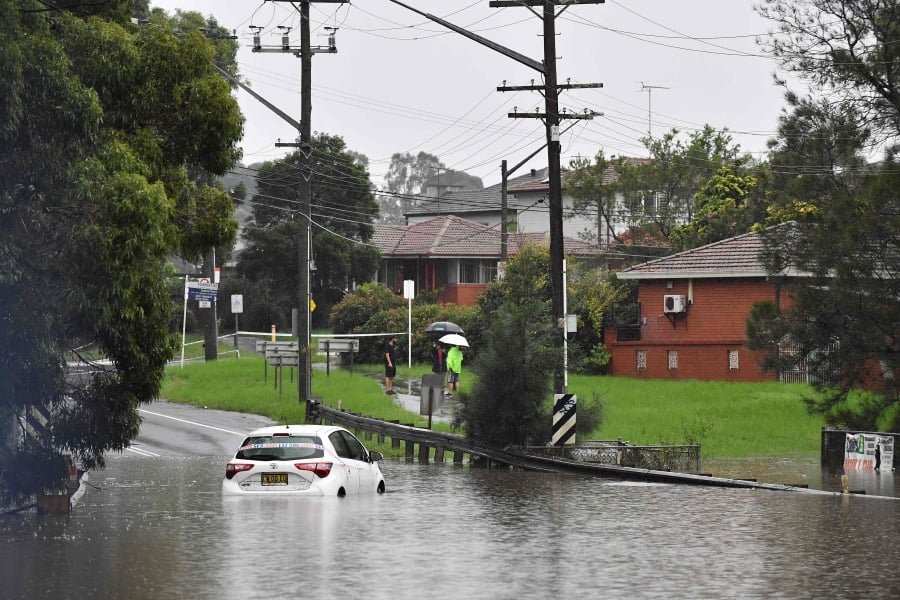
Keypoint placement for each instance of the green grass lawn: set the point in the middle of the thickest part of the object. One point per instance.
(248, 385)
(730, 420)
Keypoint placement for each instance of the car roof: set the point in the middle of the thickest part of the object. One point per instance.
(319, 430)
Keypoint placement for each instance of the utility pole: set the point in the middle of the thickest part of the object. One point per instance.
(552, 117)
(305, 189)
(649, 89)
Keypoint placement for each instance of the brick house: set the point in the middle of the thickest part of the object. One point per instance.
(452, 254)
(693, 310)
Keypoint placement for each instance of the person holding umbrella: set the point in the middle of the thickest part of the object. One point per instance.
(454, 367)
(438, 360)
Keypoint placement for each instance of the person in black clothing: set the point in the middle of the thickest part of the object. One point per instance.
(439, 362)
(390, 365)
(877, 457)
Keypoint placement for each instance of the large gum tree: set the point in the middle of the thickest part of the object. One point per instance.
(101, 122)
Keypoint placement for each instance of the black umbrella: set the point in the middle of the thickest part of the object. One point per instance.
(443, 327)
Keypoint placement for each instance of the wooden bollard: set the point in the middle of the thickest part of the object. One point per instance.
(845, 484)
(410, 448)
(423, 454)
(457, 457)
(439, 454)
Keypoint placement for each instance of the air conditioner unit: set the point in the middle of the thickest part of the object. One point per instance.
(674, 303)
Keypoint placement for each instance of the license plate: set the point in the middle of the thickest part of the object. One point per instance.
(274, 479)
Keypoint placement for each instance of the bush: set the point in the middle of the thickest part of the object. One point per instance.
(356, 309)
(262, 314)
(508, 403)
(373, 308)
(588, 416)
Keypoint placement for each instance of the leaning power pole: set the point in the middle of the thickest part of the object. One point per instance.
(304, 236)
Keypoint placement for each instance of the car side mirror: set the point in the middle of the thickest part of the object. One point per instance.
(375, 456)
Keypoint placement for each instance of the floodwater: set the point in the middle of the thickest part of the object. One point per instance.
(158, 527)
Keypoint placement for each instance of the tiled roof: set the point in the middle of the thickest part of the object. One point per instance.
(738, 256)
(450, 236)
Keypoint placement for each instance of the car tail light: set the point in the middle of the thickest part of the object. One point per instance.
(232, 469)
(321, 469)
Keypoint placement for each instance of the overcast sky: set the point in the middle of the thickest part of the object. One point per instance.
(400, 83)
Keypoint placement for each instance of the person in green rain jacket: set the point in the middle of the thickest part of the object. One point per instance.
(454, 367)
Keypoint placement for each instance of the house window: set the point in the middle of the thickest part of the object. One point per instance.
(733, 360)
(468, 271)
(654, 202)
(477, 271)
(673, 359)
(642, 360)
(488, 271)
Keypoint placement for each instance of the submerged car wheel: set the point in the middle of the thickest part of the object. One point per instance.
(342, 492)
(380, 489)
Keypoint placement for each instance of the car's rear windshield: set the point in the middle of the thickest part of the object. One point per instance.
(279, 447)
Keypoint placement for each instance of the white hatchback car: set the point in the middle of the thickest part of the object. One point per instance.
(303, 460)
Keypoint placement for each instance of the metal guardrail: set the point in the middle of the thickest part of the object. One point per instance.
(683, 459)
(441, 441)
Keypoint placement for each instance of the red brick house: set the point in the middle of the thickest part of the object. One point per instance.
(693, 310)
(455, 255)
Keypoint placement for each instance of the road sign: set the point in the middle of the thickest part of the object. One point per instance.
(202, 290)
(237, 303)
(312, 306)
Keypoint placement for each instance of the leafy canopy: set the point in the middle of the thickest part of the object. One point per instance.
(98, 121)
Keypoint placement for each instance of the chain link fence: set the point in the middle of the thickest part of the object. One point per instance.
(679, 459)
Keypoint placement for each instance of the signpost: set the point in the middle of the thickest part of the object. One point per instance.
(202, 291)
(409, 292)
(237, 307)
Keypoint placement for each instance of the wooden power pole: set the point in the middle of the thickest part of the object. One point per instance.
(305, 53)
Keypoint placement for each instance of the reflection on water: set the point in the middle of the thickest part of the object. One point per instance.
(159, 528)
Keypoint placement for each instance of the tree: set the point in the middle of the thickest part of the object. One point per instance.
(594, 187)
(843, 317)
(846, 234)
(594, 294)
(641, 198)
(343, 210)
(98, 119)
(508, 404)
(409, 176)
(847, 53)
(665, 185)
(723, 209)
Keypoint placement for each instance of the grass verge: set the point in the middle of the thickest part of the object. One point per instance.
(730, 420)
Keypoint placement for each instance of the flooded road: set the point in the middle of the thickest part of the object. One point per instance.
(158, 527)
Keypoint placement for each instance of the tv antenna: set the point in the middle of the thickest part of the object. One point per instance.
(649, 89)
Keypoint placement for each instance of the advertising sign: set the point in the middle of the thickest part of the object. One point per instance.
(868, 452)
